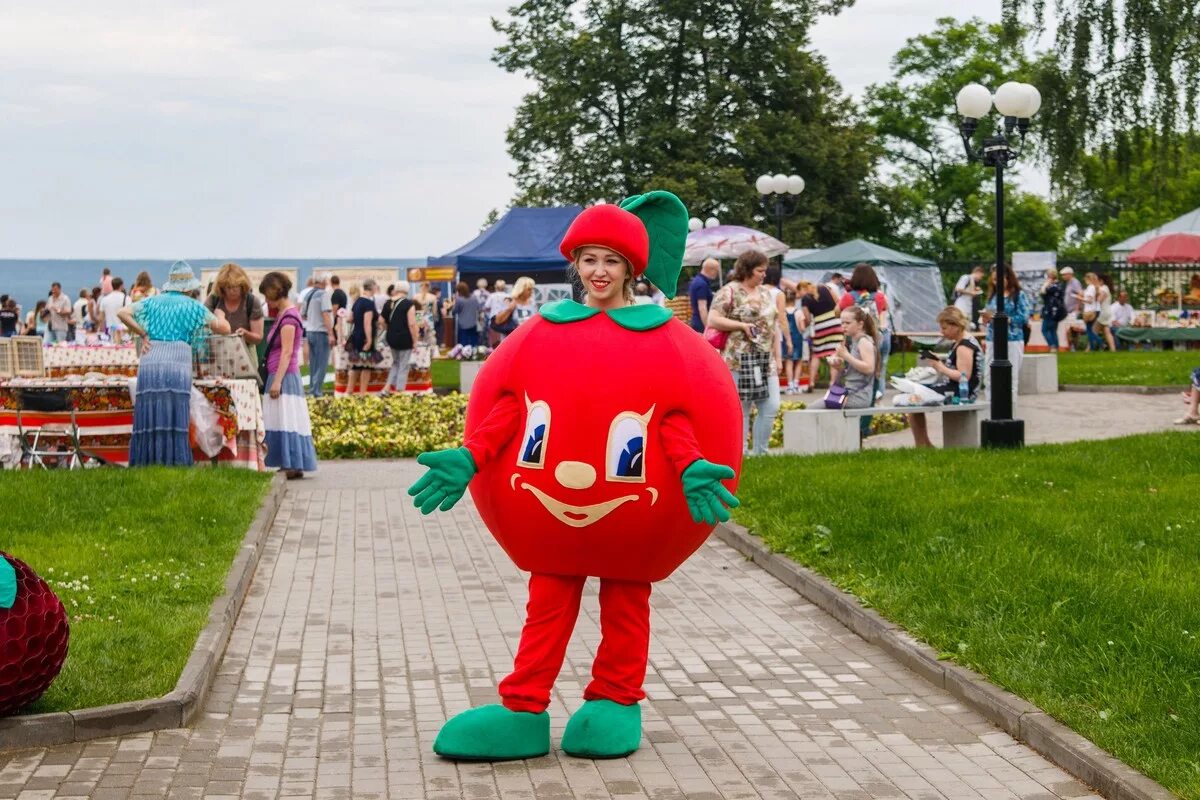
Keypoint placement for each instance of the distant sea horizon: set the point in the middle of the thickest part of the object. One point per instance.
(28, 279)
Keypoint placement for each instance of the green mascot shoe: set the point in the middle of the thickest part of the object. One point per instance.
(603, 729)
(493, 733)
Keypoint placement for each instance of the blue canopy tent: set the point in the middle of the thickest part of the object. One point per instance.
(524, 241)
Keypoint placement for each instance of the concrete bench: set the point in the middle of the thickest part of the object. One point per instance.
(823, 430)
(1039, 374)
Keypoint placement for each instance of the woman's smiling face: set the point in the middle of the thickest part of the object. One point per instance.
(603, 272)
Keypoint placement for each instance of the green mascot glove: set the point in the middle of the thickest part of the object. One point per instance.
(705, 494)
(444, 484)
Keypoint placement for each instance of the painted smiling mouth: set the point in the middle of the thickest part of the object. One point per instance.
(579, 516)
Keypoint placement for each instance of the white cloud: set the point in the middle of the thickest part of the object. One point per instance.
(272, 128)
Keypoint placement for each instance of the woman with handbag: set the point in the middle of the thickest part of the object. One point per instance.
(519, 307)
(285, 410)
(233, 301)
(746, 311)
(169, 323)
(854, 367)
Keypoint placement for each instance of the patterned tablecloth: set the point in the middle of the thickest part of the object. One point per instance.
(76, 359)
(104, 412)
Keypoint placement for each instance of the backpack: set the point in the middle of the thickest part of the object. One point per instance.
(866, 301)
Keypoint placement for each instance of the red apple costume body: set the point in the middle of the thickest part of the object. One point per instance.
(580, 426)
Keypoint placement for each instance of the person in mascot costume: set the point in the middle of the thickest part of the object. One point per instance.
(602, 440)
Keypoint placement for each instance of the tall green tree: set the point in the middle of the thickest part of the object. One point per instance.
(697, 96)
(1030, 224)
(1109, 198)
(930, 191)
(1126, 71)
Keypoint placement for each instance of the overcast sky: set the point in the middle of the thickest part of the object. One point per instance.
(230, 128)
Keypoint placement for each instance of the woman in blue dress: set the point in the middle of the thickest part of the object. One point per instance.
(169, 323)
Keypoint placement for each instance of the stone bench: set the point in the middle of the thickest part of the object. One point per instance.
(824, 430)
(1039, 374)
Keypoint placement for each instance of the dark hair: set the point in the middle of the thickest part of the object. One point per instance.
(56, 285)
(774, 273)
(117, 284)
(106, 271)
(391, 288)
(277, 281)
(1012, 285)
(746, 263)
(864, 279)
(463, 289)
(334, 280)
(96, 292)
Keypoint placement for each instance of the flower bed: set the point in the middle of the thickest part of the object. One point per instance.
(404, 426)
(400, 426)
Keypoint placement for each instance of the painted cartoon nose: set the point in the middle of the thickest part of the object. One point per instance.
(575, 474)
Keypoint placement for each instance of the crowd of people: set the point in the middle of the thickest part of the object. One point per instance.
(769, 327)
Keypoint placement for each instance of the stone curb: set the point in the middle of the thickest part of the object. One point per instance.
(179, 707)
(1020, 719)
(1115, 389)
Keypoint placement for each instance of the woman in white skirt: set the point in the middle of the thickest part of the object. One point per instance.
(285, 409)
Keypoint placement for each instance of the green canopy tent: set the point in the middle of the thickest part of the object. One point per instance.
(912, 285)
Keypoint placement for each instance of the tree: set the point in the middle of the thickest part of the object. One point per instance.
(1126, 71)
(698, 97)
(1030, 224)
(1110, 198)
(926, 184)
(491, 219)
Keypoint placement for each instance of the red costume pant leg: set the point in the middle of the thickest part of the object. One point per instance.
(550, 617)
(620, 666)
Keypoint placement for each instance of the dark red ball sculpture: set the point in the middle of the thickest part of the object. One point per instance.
(33, 640)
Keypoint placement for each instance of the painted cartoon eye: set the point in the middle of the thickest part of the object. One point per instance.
(627, 447)
(537, 431)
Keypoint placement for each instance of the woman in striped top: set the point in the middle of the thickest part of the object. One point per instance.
(826, 326)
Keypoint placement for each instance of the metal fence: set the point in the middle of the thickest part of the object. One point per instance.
(1150, 286)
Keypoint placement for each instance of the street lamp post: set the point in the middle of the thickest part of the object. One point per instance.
(779, 193)
(1017, 103)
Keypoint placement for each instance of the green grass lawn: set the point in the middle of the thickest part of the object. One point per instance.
(1123, 368)
(137, 557)
(1064, 573)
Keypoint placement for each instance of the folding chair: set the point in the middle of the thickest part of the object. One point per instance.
(55, 441)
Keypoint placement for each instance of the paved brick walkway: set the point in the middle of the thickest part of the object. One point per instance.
(368, 624)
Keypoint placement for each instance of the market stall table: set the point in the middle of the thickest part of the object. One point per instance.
(78, 359)
(1179, 334)
(105, 416)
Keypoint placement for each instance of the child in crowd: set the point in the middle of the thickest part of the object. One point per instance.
(794, 357)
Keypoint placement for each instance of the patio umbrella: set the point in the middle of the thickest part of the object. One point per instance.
(1174, 248)
(729, 241)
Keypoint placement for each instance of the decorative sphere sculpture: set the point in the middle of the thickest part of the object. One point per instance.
(33, 635)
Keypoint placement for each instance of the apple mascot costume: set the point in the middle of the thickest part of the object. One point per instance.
(33, 635)
(601, 443)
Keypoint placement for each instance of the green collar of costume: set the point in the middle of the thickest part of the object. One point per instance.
(634, 318)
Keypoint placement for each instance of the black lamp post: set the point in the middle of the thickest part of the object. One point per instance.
(1017, 103)
(779, 194)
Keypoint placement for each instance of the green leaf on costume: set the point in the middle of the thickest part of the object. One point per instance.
(8, 583)
(666, 220)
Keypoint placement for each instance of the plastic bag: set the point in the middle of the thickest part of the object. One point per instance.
(205, 425)
(915, 393)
